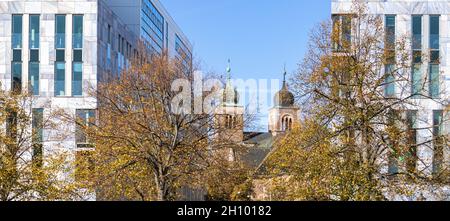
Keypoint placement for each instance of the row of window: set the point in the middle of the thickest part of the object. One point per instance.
(410, 158)
(84, 119)
(152, 26)
(417, 78)
(34, 61)
(183, 53)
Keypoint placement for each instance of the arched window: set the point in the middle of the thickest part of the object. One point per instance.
(230, 122)
(286, 123)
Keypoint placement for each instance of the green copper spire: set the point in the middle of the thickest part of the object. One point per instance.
(284, 76)
(230, 94)
(229, 68)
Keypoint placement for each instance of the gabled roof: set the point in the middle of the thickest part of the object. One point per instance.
(259, 146)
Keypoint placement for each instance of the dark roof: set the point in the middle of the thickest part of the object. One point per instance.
(260, 145)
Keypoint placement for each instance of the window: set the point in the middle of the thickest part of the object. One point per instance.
(77, 63)
(11, 125)
(438, 140)
(16, 31)
(230, 122)
(119, 44)
(434, 32)
(34, 31)
(183, 54)
(85, 119)
(60, 77)
(77, 55)
(108, 52)
(411, 155)
(33, 78)
(33, 66)
(152, 29)
(109, 34)
(417, 81)
(37, 137)
(342, 32)
(434, 89)
(16, 64)
(389, 90)
(286, 123)
(434, 81)
(16, 77)
(417, 38)
(77, 31)
(77, 79)
(390, 32)
(417, 85)
(394, 154)
(60, 35)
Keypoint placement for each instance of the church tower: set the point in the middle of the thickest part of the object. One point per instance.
(284, 113)
(229, 114)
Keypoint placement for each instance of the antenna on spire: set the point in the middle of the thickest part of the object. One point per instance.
(229, 69)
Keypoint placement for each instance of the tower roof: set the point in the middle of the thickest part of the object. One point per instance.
(230, 93)
(284, 98)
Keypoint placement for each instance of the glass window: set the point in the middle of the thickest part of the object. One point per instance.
(77, 55)
(77, 31)
(438, 140)
(17, 55)
(390, 32)
(109, 34)
(85, 119)
(60, 35)
(16, 77)
(342, 24)
(37, 137)
(389, 89)
(417, 83)
(33, 78)
(434, 32)
(60, 55)
(434, 91)
(417, 32)
(411, 155)
(60, 76)
(34, 31)
(34, 55)
(77, 79)
(16, 31)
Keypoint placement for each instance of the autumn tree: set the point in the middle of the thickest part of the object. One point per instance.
(354, 85)
(149, 139)
(28, 170)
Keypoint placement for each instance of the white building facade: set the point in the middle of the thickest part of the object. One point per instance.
(59, 50)
(151, 21)
(427, 25)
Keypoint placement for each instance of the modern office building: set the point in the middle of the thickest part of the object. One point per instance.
(426, 23)
(61, 49)
(151, 21)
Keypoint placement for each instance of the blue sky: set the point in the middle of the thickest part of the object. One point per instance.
(259, 36)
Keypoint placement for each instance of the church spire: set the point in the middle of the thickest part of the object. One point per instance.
(284, 77)
(230, 94)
